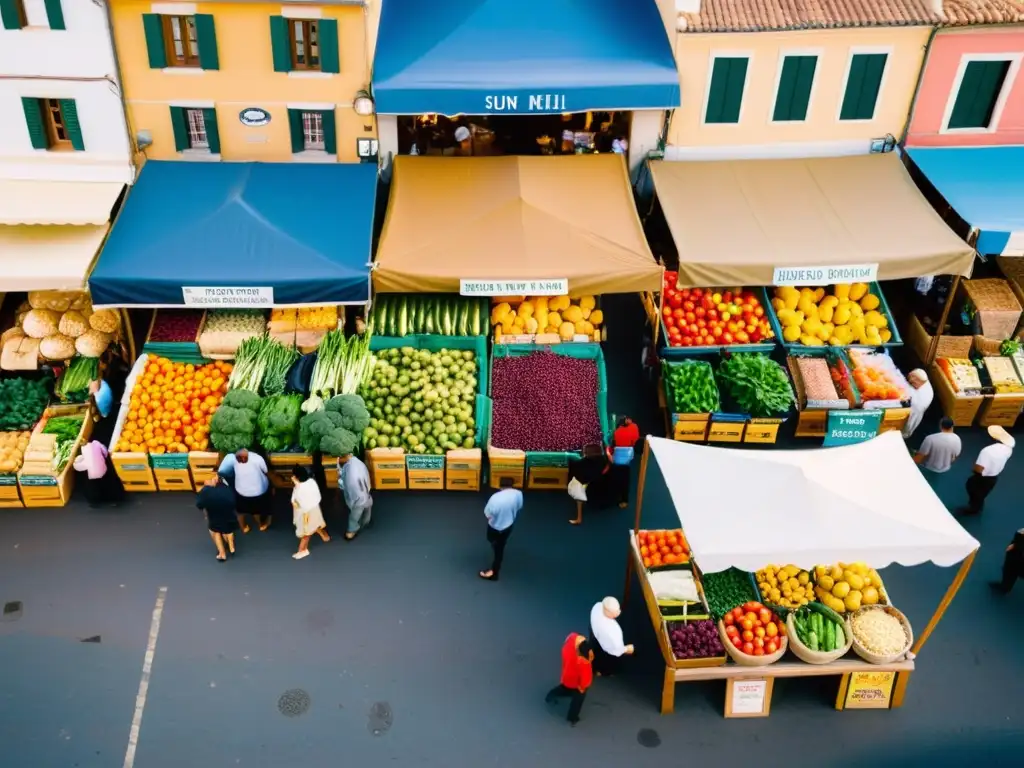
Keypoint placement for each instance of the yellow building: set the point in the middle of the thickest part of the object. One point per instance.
(247, 81)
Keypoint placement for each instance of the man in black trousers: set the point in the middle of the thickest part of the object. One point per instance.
(1013, 564)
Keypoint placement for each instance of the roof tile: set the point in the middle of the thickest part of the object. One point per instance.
(764, 15)
(961, 13)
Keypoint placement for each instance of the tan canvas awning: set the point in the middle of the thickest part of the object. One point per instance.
(42, 258)
(518, 218)
(735, 222)
(58, 202)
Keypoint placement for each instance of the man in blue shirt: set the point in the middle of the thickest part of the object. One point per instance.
(501, 512)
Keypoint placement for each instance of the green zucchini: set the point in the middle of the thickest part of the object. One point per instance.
(476, 329)
(403, 317)
(448, 325)
(438, 316)
(812, 641)
(824, 610)
(421, 313)
(830, 636)
(416, 325)
(463, 329)
(428, 321)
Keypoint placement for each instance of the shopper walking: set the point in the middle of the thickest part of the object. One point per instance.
(606, 637)
(938, 451)
(252, 488)
(1013, 564)
(501, 512)
(354, 479)
(306, 513)
(577, 675)
(624, 440)
(987, 467)
(218, 501)
(102, 485)
(920, 399)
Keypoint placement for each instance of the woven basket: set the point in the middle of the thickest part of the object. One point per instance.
(817, 657)
(987, 347)
(874, 658)
(750, 661)
(998, 308)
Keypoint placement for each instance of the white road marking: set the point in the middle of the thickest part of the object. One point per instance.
(147, 668)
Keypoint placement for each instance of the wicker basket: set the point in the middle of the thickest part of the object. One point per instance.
(1013, 268)
(750, 661)
(949, 346)
(874, 658)
(817, 657)
(997, 306)
(987, 347)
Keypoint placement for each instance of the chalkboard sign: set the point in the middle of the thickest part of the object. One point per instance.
(38, 480)
(424, 462)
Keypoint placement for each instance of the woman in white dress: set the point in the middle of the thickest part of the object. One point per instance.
(306, 510)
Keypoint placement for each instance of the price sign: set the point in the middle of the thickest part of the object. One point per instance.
(870, 690)
(748, 698)
(416, 461)
(218, 297)
(849, 427)
(549, 287)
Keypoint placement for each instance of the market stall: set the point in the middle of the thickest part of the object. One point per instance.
(829, 567)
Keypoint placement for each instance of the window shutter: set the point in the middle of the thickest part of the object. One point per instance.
(979, 91)
(55, 14)
(725, 96)
(153, 26)
(180, 129)
(280, 45)
(794, 93)
(10, 14)
(70, 112)
(330, 133)
(295, 124)
(206, 36)
(212, 133)
(34, 121)
(862, 86)
(329, 55)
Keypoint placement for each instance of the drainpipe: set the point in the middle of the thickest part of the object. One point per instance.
(133, 150)
(917, 88)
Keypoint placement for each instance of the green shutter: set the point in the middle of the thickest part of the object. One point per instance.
(34, 121)
(153, 26)
(10, 14)
(979, 91)
(279, 43)
(795, 83)
(180, 129)
(725, 96)
(862, 86)
(295, 125)
(212, 132)
(74, 129)
(330, 134)
(329, 56)
(55, 14)
(206, 36)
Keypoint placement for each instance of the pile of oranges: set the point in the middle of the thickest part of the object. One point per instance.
(171, 407)
(663, 547)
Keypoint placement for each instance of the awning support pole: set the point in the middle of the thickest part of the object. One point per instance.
(904, 677)
(934, 346)
(636, 520)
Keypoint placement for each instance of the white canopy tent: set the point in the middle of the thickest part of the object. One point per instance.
(865, 502)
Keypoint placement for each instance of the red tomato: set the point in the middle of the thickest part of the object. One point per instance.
(755, 335)
(729, 620)
(737, 612)
(731, 631)
(687, 342)
(758, 651)
(758, 311)
(747, 625)
(747, 636)
(738, 642)
(667, 311)
(690, 316)
(748, 648)
(675, 300)
(696, 293)
(758, 642)
(670, 323)
(685, 293)
(727, 297)
(764, 615)
(701, 312)
(716, 331)
(742, 337)
(678, 314)
(771, 647)
(727, 338)
(689, 306)
(694, 330)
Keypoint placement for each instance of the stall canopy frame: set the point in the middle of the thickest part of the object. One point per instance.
(735, 221)
(513, 218)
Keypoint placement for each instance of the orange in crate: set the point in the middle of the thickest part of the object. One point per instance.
(664, 547)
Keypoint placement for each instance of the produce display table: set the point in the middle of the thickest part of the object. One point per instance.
(962, 409)
(1000, 409)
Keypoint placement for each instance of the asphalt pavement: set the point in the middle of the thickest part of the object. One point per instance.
(390, 651)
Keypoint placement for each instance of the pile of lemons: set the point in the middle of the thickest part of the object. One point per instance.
(846, 315)
(848, 586)
(785, 585)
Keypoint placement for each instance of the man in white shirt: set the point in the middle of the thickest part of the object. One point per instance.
(606, 636)
(920, 399)
(248, 473)
(938, 451)
(990, 462)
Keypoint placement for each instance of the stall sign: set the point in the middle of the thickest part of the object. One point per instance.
(417, 461)
(239, 297)
(847, 273)
(869, 690)
(849, 427)
(747, 698)
(531, 102)
(253, 117)
(552, 287)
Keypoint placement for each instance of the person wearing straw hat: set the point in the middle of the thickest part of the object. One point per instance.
(920, 399)
(987, 467)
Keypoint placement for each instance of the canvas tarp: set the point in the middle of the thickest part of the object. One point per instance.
(515, 218)
(48, 258)
(807, 509)
(735, 221)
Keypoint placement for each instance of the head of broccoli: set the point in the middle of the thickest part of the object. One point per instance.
(232, 429)
(339, 442)
(354, 415)
(242, 398)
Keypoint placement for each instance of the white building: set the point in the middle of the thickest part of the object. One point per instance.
(65, 148)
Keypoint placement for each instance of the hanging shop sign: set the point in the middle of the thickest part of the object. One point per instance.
(869, 690)
(533, 102)
(847, 273)
(253, 117)
(849, 427)
(217, 297)
(553, 287)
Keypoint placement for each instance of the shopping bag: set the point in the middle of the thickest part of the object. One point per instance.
(623, 456)
(577, 490)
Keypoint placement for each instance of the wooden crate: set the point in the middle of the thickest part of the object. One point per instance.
(426, 479)
(506, 463)
(45, 491)
(172, 479)
(387, 469)
(893, 418)
(547, 478)
(765, 431)
(462, 469)
(10, 498)
(134, 470)
(280, 467)
(811, 423)
(961, 409)
(462, 480)
(1000, 409)
(690, 427)
(201, 465)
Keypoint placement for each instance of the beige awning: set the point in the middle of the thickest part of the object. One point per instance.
(735, 222)
(34, 258)
(517, 218)
(57, 202)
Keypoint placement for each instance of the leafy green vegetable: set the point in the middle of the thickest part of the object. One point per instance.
(22, 403)
(332, 429)
(233, 426)
(352, 409)
(1009, 347)
(691, 386)
(66, 428)
(727, 589)
(278, 422)
(73, 386)
(757, 383)
(261, 365)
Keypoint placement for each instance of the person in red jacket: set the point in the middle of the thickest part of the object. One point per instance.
(577, 675)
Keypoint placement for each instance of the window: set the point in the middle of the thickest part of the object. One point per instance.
(186, 42)
(725, 92)
(978, 94)
(793, 94)
(303, 45)
(12, 14)
(863, 84)
(180, 41)
(304, 40)
(312, 130)
(195, 130)
(53, 124)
